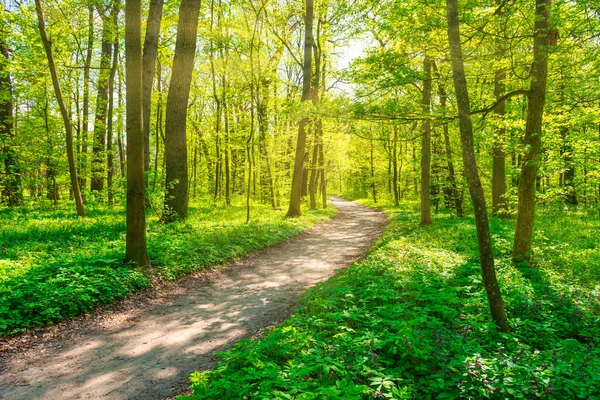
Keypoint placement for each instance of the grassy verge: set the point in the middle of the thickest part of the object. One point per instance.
(54, 266)
(411, 321)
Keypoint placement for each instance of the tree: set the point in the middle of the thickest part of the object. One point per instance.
(149, 65)
(176, 197)
(63, 109)
(486, 256)
(533, 131)
(99, 143)
(135, 251)
(499, 204)
(426, 146)
(12, 191)
(297, 177)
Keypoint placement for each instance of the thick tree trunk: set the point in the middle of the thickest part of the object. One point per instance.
(486, 256)
(98, 147)
(12, 191)
(136, 214)
(426, 146)
(533, 132)
(297, 177)
(149, 67)
(63, 110)
(176, 198)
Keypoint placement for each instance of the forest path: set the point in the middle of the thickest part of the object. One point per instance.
(148, 353)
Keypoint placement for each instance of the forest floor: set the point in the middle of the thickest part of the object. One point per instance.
(148, 348)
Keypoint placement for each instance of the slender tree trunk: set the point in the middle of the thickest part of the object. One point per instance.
(295, 195)
(499, 204)
(569, 170)
(323, 179)
(312, 186)
(176, 199)
(456, 199)
(98, 147)
(395, 166)
(111, 106)
(63, 110)
(86, 99)
(120, 132)
(486, 256)
(373, 188)
(533, 132)
(426, 147)
(136, 206)
(12, 190)
(155, 13)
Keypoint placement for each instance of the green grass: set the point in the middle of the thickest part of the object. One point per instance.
(411, 321)
(55, 266)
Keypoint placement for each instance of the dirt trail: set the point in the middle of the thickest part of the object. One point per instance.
(149, 352)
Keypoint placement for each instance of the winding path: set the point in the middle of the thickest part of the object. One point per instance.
(149, 353)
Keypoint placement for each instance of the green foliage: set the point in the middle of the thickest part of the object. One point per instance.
(411, 320)
(55, 266)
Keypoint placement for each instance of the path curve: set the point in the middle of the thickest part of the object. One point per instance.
(150, 354)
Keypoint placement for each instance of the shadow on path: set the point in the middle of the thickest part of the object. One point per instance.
(151, 354)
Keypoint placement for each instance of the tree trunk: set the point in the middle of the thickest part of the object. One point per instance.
(295, 195)
(83, 168)
(499, 204)
(63, 110)
(98, 147)
(373, 188)
(566, 152)
(323, 180)
(12, 191)
(455, 198)
(176, 198)
(486, 256)
(149, 67)
(395, 166)
(426, 146)
(111, 106)
(533, 132)
(136, 206)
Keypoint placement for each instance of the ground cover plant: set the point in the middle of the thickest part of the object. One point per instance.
(54, 265)
(411, 321)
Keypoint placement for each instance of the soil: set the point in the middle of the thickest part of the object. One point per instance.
(146, 346)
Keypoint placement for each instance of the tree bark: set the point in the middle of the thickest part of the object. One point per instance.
(83, 165)
(499, 203)
(110, 155)
(486, 256)
(456, 199)
(136, 251)
(155, 13)
(533, 132)
(63, 110)
(295, 195)
(176, 198)
(395, 166)
(99, 145)
(12, 190)
(426, 146)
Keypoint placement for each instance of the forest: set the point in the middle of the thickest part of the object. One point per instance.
(299, 199)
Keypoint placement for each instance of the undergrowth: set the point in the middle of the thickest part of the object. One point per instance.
(411, 321)
(54, 265)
